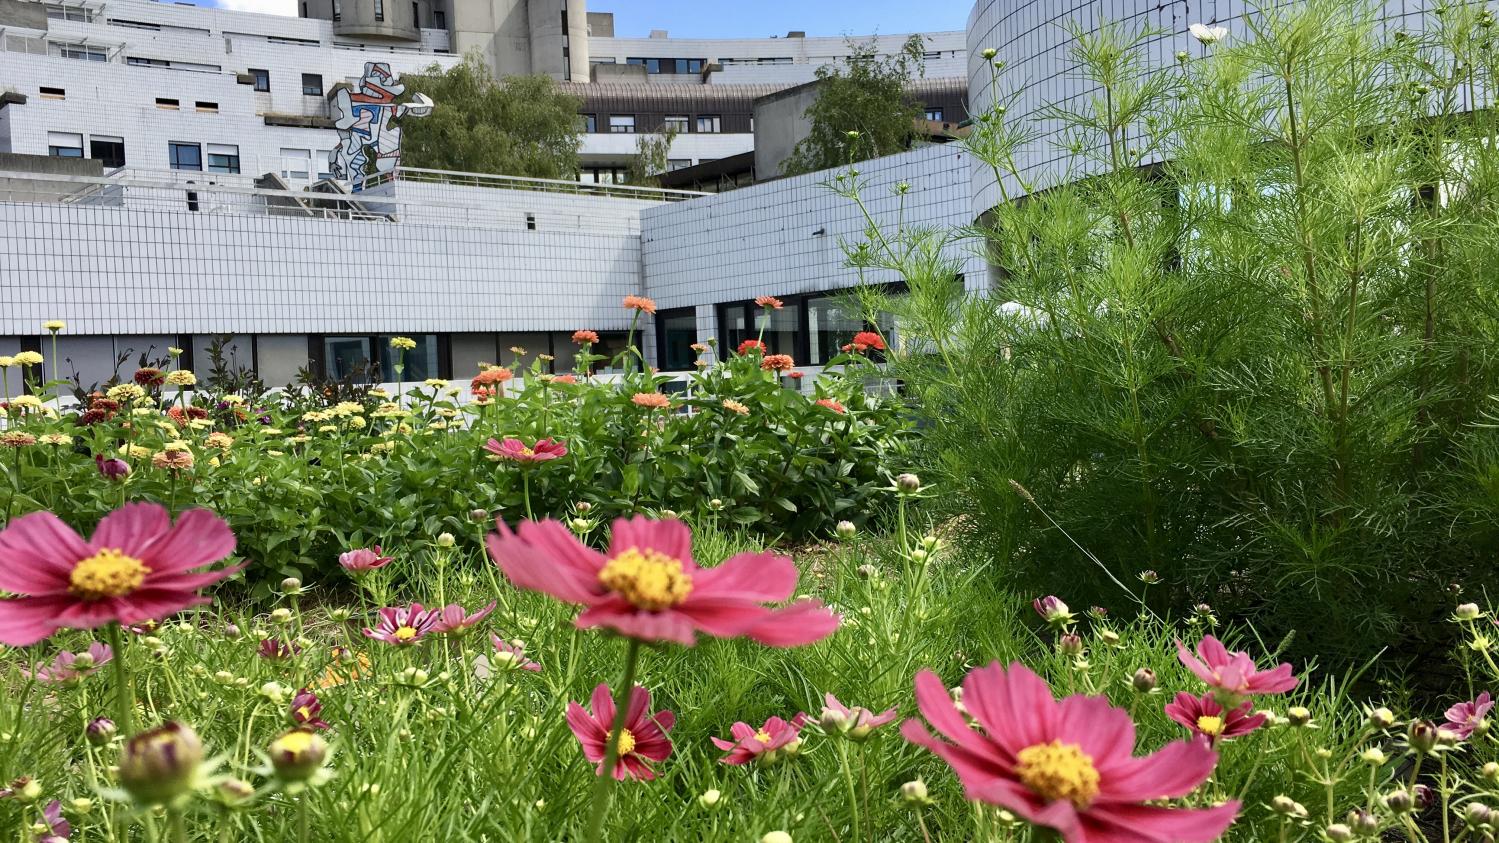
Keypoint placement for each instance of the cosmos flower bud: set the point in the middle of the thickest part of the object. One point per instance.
(298, 754)
(1423, 795)
(445, 540)
(1467, 612)
(908, 484)
(1490, 772)
(100, 731)
(81, 805)
(1053, 610)
(1144, 680)
(781, 836)
(1399, 801)
(832, 721)
(1109, 637)
(1298, 715)
(291, 585)
(1381, 718)
(1338, 833)
(989, 53)
(1149, 577)
(716, 504)
(281, 615)
(709, 799)
(231, 631)
(865, 571)
(1373, 756)
(915, 793)
(1422, 736)
(1182, 56)
(1070, 644)
(1363, 823)
(478, 515)
(158, 765)
(234, 791)
(1288, 807)
(1478, 815)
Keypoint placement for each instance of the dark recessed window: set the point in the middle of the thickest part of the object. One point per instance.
(338, 10)
(416, 14)
(934, 114)
(185, 156)
(312, 84)
(439, 20)
(223, 158)
(168, 103)
(379, 10)
(108, 151)
(590, 122)
(676, 331)
(262, 79)
(206, 107)
(54, 94)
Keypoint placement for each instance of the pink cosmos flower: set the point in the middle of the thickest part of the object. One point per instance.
(643, 739)
(518, 451)
(68, 666)
(763, 744)
(1463, 718)
(363, 560)
(1207, 719)
(403, 626)
(57, 829)
(1233, 674)
(1067, 765)
(512, 654)
(111, 468)
(306, 711)
(454, 619)
(136, 566)
(647, 586)
(855, 723)
(275, 649)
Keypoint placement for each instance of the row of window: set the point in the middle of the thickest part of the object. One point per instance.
(312, 83)
(185, 155)
(108, 150)
(624, 124)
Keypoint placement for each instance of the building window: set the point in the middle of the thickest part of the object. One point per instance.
(312, 84)
(931, 55)
(223, 158)
(416, 14)
(108, 151)
(678, 163)
(676, 331)
(707, 123)
(676, 123)
(590, 122)
(168, 103)
(622, 124)
(774, 60)
(379, 10)
(137, 61)
(206, 107)
(82, 52)
(296, 164)
(338, 10)
(262, 79)
(934, 114)
(58, 11)
(439, 20)
(603, 175)
(420, 362)
(689, 65)
(185, 156)
(64, 145)
(54, 94)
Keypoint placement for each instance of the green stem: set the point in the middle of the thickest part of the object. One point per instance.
(848, 782)
(177, 826)
(124, 693)
(304, 820)
(605, 781)
(525, 485)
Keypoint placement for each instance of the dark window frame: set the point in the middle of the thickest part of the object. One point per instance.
(174, 155)
(312, 90)
(317, 357)
(262, 79)
(110, 161)
(230, 164)
(801, 350)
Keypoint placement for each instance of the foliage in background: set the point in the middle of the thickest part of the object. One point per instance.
(515, 126)
(652, 158)
(862, 110)
(1262, 370)
(301, 475)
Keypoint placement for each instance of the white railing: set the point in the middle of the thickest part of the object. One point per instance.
(616, 191)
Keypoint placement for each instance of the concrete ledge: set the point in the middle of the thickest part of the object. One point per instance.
(298, 121)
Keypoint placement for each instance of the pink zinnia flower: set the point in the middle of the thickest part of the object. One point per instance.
(763, 744)
(1463, 718)
(768, 302)
(403, 626)
(751, 345)
(643, 739)
(1067, 765)
(856, 723)
(67, 665)
(111, 468)
(306, 711)
(1233, 675)
(1208, 719)
(363, 560)
(136, 566)
(518, 451)
(512, 654)
(453, 619)
(648, 588)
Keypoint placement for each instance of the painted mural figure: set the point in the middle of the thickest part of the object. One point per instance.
(364, 117)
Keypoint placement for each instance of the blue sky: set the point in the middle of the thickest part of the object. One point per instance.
(743, 18)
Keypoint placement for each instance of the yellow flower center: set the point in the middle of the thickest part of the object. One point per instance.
(304, 712)
(293, 743)
(405, 633)
(108, 573)
(1056, 771)
(626, 742)
(1210, 725)
(647, 579)
(763, 737)
(528, 452)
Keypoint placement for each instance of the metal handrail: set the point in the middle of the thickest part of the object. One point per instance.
(424, 174)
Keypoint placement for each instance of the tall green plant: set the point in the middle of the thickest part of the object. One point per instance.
(1241, 339)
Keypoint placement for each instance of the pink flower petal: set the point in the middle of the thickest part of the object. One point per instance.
(132, 528)
(199, 538)
(669, 537)
(765, 577)
(37, 553)
(1176, 770)
(545, 557)
(645, 626)
(800, 623)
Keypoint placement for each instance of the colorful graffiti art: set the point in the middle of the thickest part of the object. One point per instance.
(369, 139)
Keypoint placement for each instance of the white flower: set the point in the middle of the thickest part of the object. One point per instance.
(1208, 34)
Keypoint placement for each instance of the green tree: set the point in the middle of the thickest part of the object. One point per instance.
(862, 109)
(515, 126)
(652, 158)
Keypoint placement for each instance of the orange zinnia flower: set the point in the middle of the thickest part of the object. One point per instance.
(640, 303)
(653, 400)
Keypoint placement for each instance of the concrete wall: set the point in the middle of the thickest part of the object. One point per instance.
(22, 15)
(780, 124)
(15, 188)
